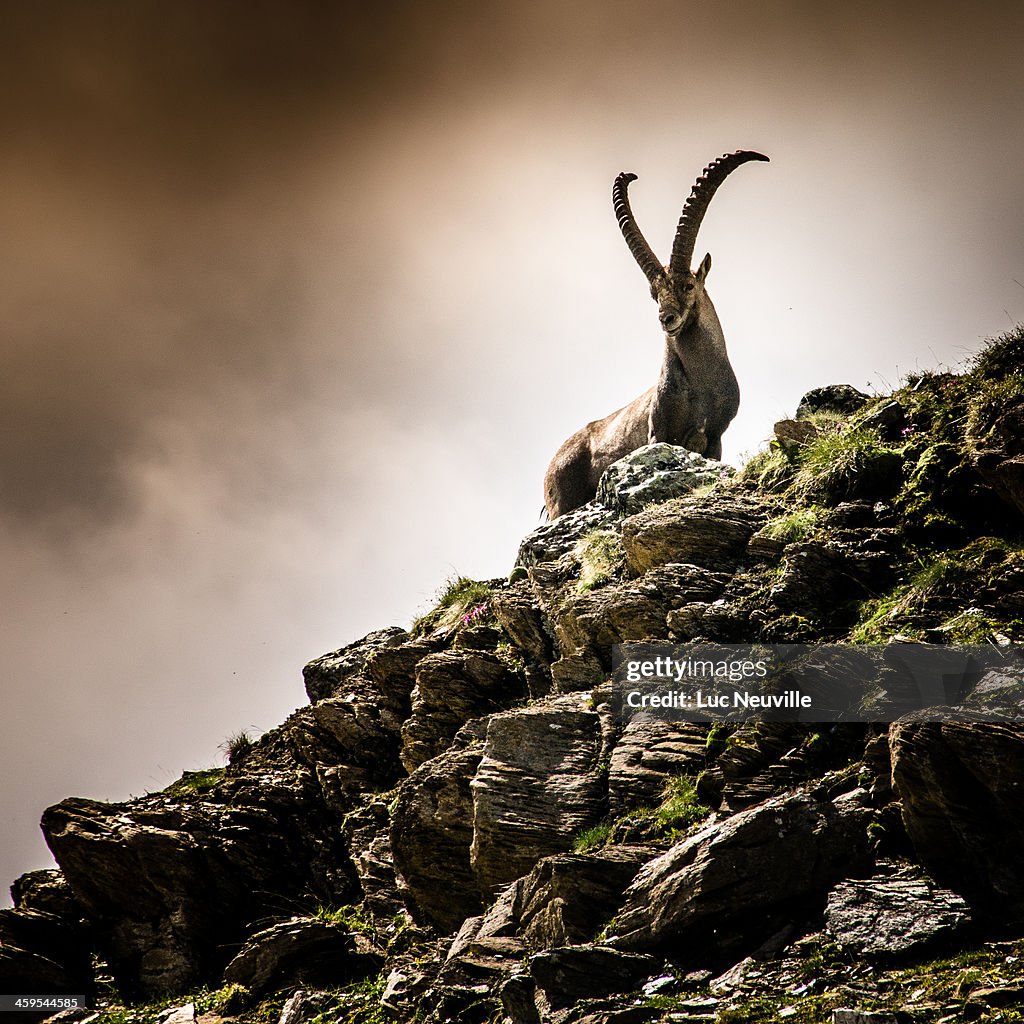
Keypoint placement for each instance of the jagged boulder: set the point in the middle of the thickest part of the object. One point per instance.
(565, 899)
(961, 788)
(46, 891)
(453, 687)
(890, 918)
(327, 674)
(734, 871)
(539, 783)
(170, 882)
(572, 973)
(351, 734)
(591, 623)
(656, 473)
(366, 832)
(519, 614)
(355, 733)
(844, 399)
(301, 951)
(432, 831)
(711, 534)
(551, 541)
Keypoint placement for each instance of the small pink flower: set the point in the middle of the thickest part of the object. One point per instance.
(474, 613)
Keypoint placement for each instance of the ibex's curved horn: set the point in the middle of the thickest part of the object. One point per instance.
(697, 204)
(638, 246)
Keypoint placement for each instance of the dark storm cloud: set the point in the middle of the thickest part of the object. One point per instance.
(154, 196)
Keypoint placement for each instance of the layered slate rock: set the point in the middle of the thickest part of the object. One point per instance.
(521, 617)
(538, 785)
(733, 871)
(567, 975)
(553, 540)
(351, 741)
(892, 918)
(961, 788)
(565, 899)
(170, 883)
(636, 609)
(432, 831)
(712, 535)
(453, 687)
(301, 951)
(649, 752)
(326, 675)
(656, 473)
(351, 734)
(366, 832)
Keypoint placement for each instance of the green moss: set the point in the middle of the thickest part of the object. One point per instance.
(358, 1003)
(382, 932)
(973, 627)
(718, 736)
(600, 555)
(944, 578)
(229, 1001)
(459, 597)
(194, 783)
(878, 619)
(511, 655)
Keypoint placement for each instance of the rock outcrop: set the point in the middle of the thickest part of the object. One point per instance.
(538, 784)
(466, 825)
(731, 876)
(961, 790)
(895, 918)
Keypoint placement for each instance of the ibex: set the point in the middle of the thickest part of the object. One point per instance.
(697, 395)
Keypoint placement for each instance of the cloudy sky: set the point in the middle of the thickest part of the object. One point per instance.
(298, 299)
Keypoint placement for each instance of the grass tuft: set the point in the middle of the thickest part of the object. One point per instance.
(593, 838)
(794, 526)
(460, 601)
(600, 554)
(236, 746)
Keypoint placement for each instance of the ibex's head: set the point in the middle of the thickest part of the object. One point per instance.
(676, 288)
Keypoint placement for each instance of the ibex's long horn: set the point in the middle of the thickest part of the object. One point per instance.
(638, 246)
(696, 206)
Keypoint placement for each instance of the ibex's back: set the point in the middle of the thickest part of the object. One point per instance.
(696, 396)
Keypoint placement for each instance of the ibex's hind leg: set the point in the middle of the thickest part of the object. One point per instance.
(567, 483)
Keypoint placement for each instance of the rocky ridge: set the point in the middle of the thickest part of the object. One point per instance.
(458, 827)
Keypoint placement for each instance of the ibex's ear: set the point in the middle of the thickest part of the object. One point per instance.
(702, 270)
